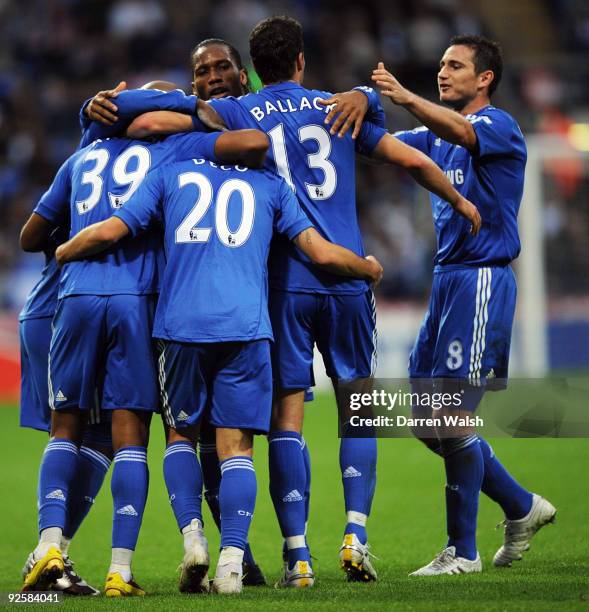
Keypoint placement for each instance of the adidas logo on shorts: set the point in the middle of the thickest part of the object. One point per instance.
(57, 494)
(182, 416)
(60, 397)
(127, 510)
(351, 472)
(293, 496)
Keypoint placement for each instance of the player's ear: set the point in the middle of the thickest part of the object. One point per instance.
(193, 85)
(301, 61)
(486, 78)
(243, 77)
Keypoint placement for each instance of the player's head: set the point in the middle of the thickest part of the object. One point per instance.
(217, 70)
(471, 67)
(276, 49)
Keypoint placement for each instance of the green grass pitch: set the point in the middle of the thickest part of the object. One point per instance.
(406, 529)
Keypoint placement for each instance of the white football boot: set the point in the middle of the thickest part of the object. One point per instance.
(518, 533)
(195, 564)
(229, 572)
(301, 576)
(448, 563)
(355, 559)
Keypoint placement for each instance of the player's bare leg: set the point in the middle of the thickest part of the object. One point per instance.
(130, 436)
(358, 455)
(237, 498)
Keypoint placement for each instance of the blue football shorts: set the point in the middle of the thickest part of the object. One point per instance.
(103, 342)
(342, 326)
(466, 332)
(226, 384)
(35, 338)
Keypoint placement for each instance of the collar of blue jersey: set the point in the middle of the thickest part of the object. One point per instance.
(283, 85)
(481, 110)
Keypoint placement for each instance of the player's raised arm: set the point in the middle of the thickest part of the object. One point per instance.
(444, 122)
(93, 239)
(337, 259)
(428, 175)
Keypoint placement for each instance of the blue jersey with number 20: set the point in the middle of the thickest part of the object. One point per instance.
(219, 221)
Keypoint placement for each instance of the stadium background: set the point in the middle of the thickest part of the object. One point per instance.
(56, 53)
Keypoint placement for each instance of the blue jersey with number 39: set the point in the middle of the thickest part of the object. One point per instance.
(492, 178)
(219, 221)
(319, 167)
(94, 183)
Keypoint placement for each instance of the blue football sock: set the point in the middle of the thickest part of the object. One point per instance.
(90, 473)
(237, 499)
(56, 477)
(287, 481)
(464, 475)
(358, 466)
(129, 484)
(211, 474)
(183, 478)
(307, 492)
(500, 486)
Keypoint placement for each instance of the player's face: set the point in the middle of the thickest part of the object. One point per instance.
(458, 82)
(216, 74)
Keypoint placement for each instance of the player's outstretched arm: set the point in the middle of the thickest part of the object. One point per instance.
(428, 175)
(162, 123)
(443, 122)
(91, 240)
(337, 259)
(245, 147)
(35, 234)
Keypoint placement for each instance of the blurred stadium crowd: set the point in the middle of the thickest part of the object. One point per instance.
(56, 53)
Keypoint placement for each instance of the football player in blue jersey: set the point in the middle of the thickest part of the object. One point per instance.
(103, 317)
(466, 332)
(306, 304)
(309, 306)
(217, 71)
(96, 450)
(212, 321)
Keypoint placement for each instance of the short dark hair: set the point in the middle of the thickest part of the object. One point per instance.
(487, 55)
(275, 44)
(207, 42)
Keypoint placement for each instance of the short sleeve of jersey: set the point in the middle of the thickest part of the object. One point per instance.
(231, 112)
(370, 135)
(194, 145)
(497, 133)
(54, 204)
(144, 206)
(419, 138)
(289, 219)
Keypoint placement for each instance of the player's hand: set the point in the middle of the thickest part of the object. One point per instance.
(469, 211)
(210, 117)
(100, 108)
(389, 86)
(349, 109)
(377, 271)
(60, 255)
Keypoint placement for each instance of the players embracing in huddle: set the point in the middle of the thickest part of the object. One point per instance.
(196, 200)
